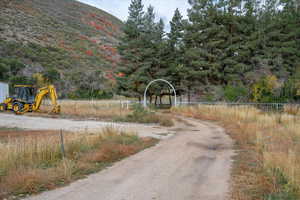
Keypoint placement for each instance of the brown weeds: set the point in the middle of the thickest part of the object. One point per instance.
(103, 110)
(35, 163)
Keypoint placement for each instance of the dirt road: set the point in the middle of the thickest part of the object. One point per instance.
(194, 164)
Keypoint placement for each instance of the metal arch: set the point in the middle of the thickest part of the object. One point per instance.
(145, 93)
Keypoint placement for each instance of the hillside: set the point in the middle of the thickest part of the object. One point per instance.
(64, 41)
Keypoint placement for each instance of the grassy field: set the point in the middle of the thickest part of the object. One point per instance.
(34, 162)
(100, 110)
(267, 165)
(109, 111)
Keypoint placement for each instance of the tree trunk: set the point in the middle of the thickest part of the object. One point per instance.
(155, 100)
(189, 94)
(170, 98)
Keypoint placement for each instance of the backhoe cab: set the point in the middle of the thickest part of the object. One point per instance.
(27, 99)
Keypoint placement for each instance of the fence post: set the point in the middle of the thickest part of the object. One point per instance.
(121, 107)
(62, 146)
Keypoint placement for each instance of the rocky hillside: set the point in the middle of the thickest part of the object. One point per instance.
(61, 41)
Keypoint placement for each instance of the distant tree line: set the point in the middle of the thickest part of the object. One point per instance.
(233, 50)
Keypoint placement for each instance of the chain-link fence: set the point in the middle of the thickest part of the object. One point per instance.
(279, 107)
(126, 104)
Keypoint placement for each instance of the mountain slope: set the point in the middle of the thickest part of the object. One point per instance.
(69, 43)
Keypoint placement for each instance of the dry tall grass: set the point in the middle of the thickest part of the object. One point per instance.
(109, 111)
(292, 109)
(35, 163)
(269, 161)
(104, 110)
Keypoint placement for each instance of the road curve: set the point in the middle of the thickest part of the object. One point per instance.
(194, 164)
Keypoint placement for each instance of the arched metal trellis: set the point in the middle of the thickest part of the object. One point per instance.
(161, 80)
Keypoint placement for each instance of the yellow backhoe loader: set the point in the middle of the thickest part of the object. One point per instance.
(26, 99)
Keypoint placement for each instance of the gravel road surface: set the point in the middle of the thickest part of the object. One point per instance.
(42, 123)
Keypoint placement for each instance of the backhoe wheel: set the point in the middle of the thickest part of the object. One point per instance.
(18, 107)
(3, 107)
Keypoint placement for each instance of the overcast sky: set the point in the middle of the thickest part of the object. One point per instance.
(163, 8)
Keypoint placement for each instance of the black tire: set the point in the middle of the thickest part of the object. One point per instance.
(17, 107)
(3, 107)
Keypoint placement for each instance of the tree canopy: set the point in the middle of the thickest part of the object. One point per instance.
(223, 51)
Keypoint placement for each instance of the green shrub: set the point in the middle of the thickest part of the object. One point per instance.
(51, 75)
(143, 115)
(235, 93)
(264, 91)
(90, 94)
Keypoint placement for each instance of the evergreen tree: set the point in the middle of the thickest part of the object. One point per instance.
(205, 39)
(176, 72)
(176, 33)
(223, 44)
(240, 24)
(154, 44)
(140, 49)
(130, 49)
(282, 40)
(151, 39)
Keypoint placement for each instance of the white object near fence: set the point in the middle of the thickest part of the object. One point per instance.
(161, 80)
(3, 91)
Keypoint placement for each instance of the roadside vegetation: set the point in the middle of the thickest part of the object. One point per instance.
(111, 111)
(102, 110)
(141, 115)
(32, 163)
(267, 164)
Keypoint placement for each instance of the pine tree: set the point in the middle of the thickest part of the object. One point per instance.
(130, 48)
(176, 70)
(205, 40)
(153, 37)
(240, 24)
(224, 44)
(281, 38)
(140, 48)
(176, 33)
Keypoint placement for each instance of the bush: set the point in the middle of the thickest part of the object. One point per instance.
(3, 71)
(291, 89)
(142, 115)
(52, 75)
(235, 93)
(9, 67)
(90, 94)
(264, 91)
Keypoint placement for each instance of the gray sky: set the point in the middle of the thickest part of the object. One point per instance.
(163, 8)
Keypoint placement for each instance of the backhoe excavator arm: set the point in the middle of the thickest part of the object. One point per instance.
(42, 92)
